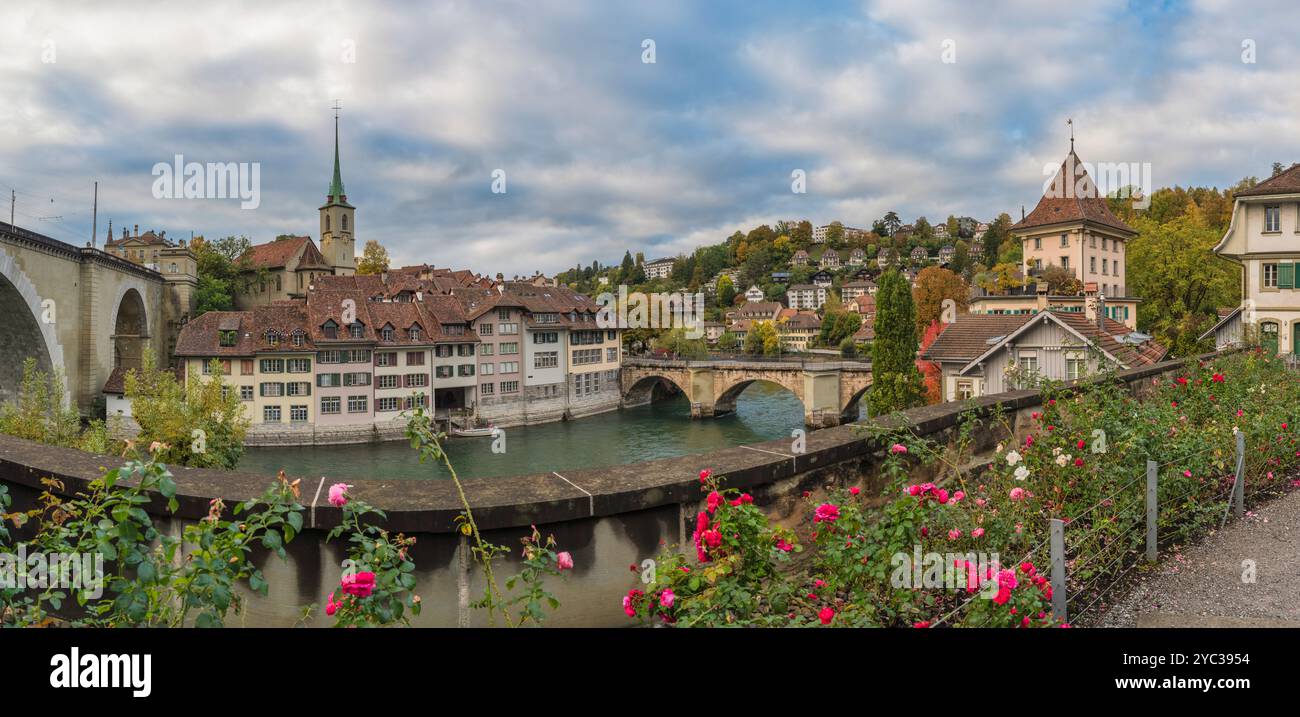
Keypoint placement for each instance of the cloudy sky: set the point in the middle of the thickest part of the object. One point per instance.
(603, 151)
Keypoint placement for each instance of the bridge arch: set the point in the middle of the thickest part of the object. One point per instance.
(130, 329)
(30, 330)
(726, 398)
(642, 390)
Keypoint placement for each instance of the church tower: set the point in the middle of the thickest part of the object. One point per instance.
(337, 226)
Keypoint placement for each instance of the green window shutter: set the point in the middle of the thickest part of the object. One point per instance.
(1285, 276)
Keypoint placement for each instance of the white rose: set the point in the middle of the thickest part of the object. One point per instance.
(1060, 461)
(1022, 473)
(1013, 458)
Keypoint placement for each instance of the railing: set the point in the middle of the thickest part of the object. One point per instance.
(715, 359)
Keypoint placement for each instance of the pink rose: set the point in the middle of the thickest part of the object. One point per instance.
(704, 474)
(1017, 493)
(358, 584)
(854, 490)
(826, 615)
(667, 597)
(564, 560)
(826, 513)
(978, 532)
(338, 494)
(954, 534)
(898, 448)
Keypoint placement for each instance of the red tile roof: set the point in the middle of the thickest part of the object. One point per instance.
(1288, 182)
(276, 254)
(968, 337)
(1072, 197)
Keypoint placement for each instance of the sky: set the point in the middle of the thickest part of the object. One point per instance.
(921, 107)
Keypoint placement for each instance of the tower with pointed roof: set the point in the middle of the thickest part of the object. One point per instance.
(337, 220)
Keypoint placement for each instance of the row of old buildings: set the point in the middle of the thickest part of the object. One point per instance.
(317, 353)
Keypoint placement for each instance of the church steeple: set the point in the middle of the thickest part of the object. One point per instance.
(337, 238)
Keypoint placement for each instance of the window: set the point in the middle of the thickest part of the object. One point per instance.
(503, 314)
(357, 404)
(965, 390)
(1038, 264)
(414, 358)
(509, 367)
(1092, 265)
(509, 387)
(345, 222)
(583, 338)
(361, 378)
(442, 351)
(331, 405)
(417, 380)
(330, 329)
(298, 388)
(465, 349)
(442, 371)
(329, 357)
(270, 414)
(465, 369)
(272, 365)
(1065, 262)
(1273, 219)
(297, 337)
(357, 356)
(386, 381)
(388, 404)
(485, 329)
(357, 331)
(245, 393)
(385, 358)
(1270, 276)
(1065, 240)
(505, 329)
(1105, 266)
(611, 354)
(1075, 367)
(509, 347)
(1038, 242)
(1092, 241)
(225, 367)
(453, 329)
(415, 333)
(486, 369)
(387, 334)
(1029, 363)
(546, 359)
(227, 338)
(486, 349)
(546, 337)
(486, 389)
(611, 335)
(298, 414)
(583, 357)
(273, 337)
(328, 380)
(546, 318)
(271, 390)
(299, 365)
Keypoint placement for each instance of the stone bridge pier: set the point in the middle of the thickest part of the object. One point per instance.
(829, 391)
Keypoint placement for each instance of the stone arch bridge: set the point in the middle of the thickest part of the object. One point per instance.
(829, 390)
(77, 310)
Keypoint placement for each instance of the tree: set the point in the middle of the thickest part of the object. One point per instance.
(212, 294)
(728, 341)
(933, 286)
(1171, 267)
(223, 271)
(896, 384)
(758, 337)
(201, 422)
(726, 291)
(891, 223)
(1061, 281)
(1000, 279)
(933, 373)
(838, 325)
(374, 259)
(999, 231)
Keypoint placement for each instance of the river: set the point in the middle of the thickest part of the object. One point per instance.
(658, 430)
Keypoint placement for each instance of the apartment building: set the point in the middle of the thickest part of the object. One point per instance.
(659, 268)
(806, 296)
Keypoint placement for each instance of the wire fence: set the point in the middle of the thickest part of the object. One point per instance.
(1092, 554)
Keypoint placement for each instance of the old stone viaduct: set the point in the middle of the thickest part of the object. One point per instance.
(829, 390)
(79, 311)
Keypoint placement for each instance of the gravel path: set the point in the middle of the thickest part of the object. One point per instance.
(1203, 585)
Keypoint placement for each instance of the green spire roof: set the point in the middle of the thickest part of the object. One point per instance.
(336, 194)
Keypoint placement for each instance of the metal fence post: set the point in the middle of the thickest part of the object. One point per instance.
(1239, 485)
(1058, 569)
(1153, 510)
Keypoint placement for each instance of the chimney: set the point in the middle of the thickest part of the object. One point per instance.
(1101, 312)
(1090, 300)
(137, 230)
(1040, 289)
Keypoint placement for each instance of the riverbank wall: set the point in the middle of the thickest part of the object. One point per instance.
(609, 518)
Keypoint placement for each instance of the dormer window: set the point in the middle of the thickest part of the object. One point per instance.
(297, 337)
(387, 333)
(357, 330)
(330, 329)
(227, 338)
(273, 337)
(416, 333)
